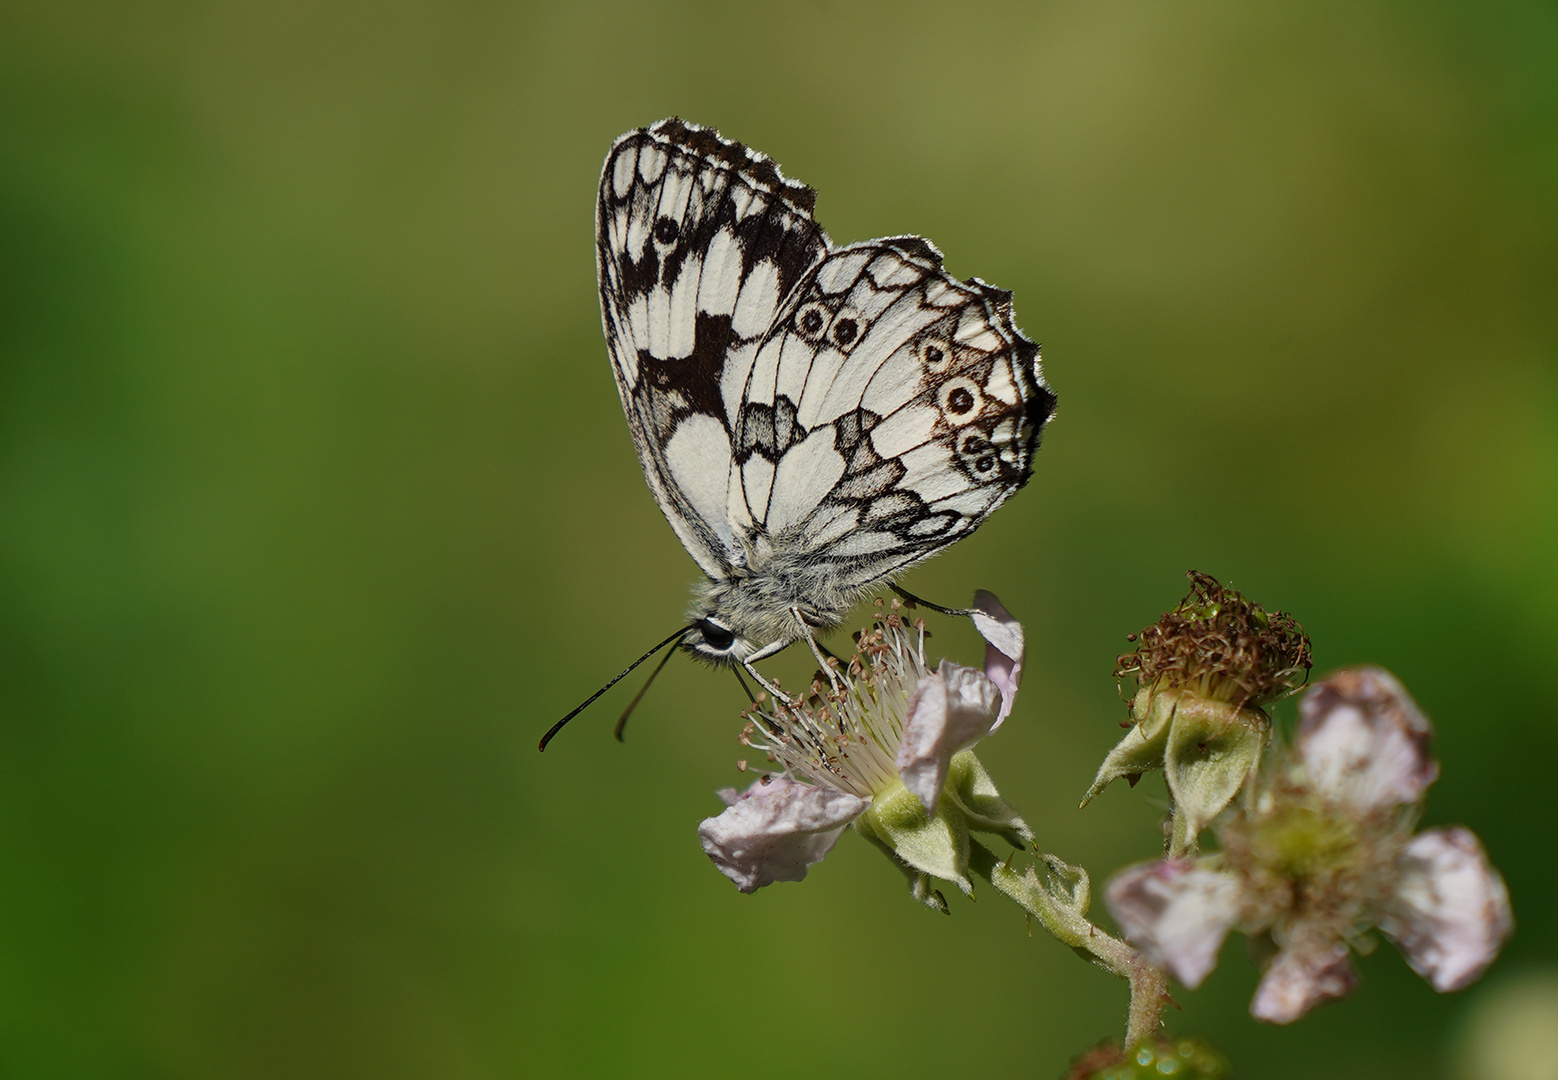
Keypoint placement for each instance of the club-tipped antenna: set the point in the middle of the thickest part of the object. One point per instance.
(622, 721)
(587, 702)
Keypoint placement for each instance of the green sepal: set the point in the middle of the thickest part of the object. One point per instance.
(1213, 751)
(936, 845)
(919, 881)
(1143, 747)
(971, 788)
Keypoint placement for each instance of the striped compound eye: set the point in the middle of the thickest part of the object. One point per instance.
(716, 636)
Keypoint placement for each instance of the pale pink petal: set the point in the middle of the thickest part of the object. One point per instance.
(1450, 914)
(1176, 912)
(1004, 648)
(948, 712)
(776, 830)
(1297, 981)
(1363, 741)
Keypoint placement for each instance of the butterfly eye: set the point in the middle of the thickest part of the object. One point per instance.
(715, 635)
(811, 319)
(666, 231)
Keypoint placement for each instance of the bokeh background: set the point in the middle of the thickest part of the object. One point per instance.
(317, 507)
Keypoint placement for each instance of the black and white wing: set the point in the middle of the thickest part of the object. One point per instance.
(852, 410)
(889, 411)
(698, 242)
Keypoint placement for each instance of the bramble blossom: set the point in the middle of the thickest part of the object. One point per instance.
(1325, 853)
(889, 749)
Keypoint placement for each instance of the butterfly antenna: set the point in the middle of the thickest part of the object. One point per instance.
(622, 721)
(587, 702)
(966, 613)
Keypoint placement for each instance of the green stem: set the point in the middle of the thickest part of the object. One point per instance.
(1182, 845)
(1068, 922)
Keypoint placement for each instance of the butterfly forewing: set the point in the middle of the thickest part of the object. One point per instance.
(698, 242)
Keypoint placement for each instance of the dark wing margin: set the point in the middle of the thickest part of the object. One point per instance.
(699, 240)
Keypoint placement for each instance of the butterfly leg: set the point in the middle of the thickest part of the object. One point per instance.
(774, 692)
(816, 650)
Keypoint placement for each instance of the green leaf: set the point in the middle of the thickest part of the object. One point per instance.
(1213, 751)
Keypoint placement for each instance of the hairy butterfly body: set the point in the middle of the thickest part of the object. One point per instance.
(813, 420)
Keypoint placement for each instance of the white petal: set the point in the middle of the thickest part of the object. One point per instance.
(1298, 981)
(1176, 912)
(1004, 648)
(948, 712)
(776, 830)
(1450, 914)
(1364, 742)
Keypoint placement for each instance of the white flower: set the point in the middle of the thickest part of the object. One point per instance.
(1324, 854)
(886, 750)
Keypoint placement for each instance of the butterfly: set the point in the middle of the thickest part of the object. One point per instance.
(812, 419)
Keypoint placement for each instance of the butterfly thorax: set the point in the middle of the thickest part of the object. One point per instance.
(737, 617)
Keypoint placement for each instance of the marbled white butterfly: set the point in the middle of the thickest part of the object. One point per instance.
(813, 420)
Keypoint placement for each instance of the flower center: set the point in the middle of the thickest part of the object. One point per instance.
(847, 738)
(1303, 843)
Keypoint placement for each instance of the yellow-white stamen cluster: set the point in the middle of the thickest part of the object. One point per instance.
(847, 737)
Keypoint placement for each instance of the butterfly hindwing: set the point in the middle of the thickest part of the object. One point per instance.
(699, 240)
(887, 413)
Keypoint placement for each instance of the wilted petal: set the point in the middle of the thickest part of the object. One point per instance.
(1364, 742)
(1004, 648)
(1298, 980)
(1450, 914)
(776, 830)
(948, 711)
(1177, 912)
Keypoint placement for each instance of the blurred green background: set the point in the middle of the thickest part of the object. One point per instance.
(317, 507)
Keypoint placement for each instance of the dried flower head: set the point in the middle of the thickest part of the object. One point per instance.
(1222, 646)
(1204, 672)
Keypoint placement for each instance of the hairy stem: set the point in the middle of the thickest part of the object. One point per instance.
(1059, 901)
(1182, 845)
